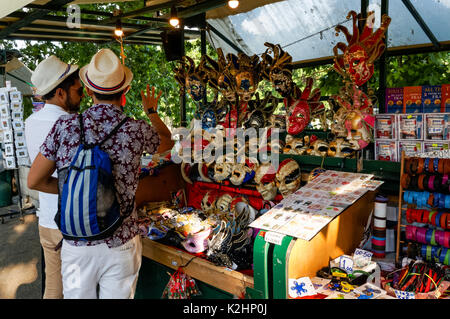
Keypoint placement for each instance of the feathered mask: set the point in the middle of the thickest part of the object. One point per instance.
(363, 48)
(194, 77)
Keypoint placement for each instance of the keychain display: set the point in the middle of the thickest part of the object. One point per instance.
(386, 126)
(410, 126)
(411, 148)
(435, 146)
(386, 151)
(437, 126)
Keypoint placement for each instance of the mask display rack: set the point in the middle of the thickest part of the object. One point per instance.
(424, 189)
(14, 150)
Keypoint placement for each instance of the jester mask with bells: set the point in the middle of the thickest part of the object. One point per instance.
(278, 69)
(244, 72)
(221, 75)
(288, 177)
(193, 77)
(260, 111)
(357, 61)
(359, 118)
(265, 181)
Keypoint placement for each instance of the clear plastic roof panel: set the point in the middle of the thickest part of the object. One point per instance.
(305, 28)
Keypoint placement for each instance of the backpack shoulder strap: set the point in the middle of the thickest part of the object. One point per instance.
(80, 119)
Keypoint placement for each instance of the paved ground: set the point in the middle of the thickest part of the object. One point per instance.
(20, 256)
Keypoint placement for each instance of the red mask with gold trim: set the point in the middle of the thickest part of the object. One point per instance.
(357, 61)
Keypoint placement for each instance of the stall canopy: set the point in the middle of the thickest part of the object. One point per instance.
(304, 28)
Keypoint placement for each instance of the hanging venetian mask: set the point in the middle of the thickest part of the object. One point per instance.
(220, 75)
(338, 125)
(357, 61)
(341, 148)
(288, 177)
(299, 110)
(359, 133)
(358, 115)
(278, 69)
(318, 148)
(265, 181)
(194, 78)
(208, 119)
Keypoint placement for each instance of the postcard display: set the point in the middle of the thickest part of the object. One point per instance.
(14, 148)
(413, 133)
(417, 120)
(312, 207)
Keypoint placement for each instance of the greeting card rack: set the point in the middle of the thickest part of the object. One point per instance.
(14, 150)
(424, 188)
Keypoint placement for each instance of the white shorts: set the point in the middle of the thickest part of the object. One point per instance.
(113, 270)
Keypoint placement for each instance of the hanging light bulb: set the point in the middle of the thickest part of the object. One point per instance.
(233, 4)
(118, 30)
(174, 21)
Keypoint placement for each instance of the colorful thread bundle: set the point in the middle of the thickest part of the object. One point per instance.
(428, 236)
(379, 227)
(435, 254)
(427, 199)
(437, 218)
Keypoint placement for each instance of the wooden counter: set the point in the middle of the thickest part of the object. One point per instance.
(222, 278)
(342, 236)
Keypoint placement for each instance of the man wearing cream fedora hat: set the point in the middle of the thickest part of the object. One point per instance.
(59, 85)
(106, 268)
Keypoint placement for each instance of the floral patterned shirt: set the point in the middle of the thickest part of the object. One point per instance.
(125, 149)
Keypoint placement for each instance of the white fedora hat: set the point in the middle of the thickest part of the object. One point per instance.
(50, 73)
(105, 74)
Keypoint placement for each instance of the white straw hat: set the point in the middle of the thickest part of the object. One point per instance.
(50, 73)
(105, 74)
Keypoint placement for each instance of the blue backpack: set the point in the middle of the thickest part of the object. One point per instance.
(87, 207)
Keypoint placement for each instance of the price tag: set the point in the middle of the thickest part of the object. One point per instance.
(274, 238)
(362, 257)
(346, 263)
(404, 294)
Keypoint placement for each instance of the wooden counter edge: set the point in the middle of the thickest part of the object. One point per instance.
(222, 278)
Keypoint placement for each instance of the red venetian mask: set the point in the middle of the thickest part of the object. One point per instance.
(299, 117)
(357, 61)
(299, 110)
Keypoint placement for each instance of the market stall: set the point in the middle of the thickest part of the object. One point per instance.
(254, 203)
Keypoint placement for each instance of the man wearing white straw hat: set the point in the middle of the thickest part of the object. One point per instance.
(59, 85)
(106, 268)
